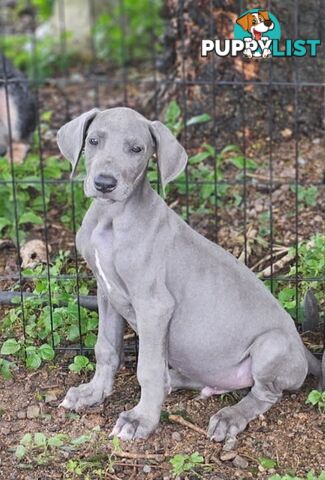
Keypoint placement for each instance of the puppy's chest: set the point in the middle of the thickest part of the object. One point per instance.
(102, 264)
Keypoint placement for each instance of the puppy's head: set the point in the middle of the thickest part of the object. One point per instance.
(256, 23)
(118, 144)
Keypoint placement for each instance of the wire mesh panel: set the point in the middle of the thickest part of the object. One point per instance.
(252, 128)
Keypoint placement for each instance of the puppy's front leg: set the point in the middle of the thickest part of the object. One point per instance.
(152, 373)
(109, 353)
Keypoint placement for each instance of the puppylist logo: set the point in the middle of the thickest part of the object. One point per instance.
(257, 34)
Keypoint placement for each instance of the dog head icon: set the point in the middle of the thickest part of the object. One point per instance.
(256, 23)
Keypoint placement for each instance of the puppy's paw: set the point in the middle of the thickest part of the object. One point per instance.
(266, 52)
(225, 424)
(131, 425)
(85, 395)
(248, 53)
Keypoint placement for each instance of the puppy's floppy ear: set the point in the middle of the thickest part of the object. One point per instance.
(265, 14)
(244, 21)
(171, 156)
(71, 137)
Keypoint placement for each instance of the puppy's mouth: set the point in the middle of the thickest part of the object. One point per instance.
(257, 35)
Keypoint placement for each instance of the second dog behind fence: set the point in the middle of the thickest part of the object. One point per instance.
(17, 112)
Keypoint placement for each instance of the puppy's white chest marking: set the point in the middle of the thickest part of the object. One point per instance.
(101, 273)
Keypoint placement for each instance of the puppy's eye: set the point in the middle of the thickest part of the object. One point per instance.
(93, 141)
(254, 21)
(136, 149)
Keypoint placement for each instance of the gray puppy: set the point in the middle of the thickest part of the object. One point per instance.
(203, 318)
(22, 111)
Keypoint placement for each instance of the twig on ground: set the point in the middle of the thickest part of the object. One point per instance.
(265, 177)
(277, 266)
(250, 239)
(185, 423)
(139, 456)
(278, 251)
(113, 477)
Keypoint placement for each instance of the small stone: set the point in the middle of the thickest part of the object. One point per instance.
(33, 411)
(50, 397)
(226, 456)
(77, 78)
(286, 133)
(21, 414)
(316, 141)
(147, 469)
(259, 207)
(176, 437)
(230, 444)
(240, 462)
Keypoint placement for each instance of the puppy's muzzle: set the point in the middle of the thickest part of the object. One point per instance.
(105, 183)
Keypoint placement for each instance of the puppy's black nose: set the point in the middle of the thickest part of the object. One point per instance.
(3, 150)
(268, 23)
(104, 183)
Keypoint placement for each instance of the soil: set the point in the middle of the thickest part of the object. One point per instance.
(292, 433)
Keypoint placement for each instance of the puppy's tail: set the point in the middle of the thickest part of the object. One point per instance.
(316, 368)
(312, 323)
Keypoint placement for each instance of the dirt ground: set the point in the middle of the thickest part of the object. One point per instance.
(291, 433)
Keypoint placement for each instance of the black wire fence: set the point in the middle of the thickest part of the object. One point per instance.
(227, 111)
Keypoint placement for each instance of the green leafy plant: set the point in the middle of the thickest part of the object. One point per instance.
(267, 463)
(264, 224)
(174, 120)
(81, 364)
(205, 169)
(45, 328)
(204, 179)
(306, 195)
(6, 367)
(78, 468)
(41, 449)
(32, 354)
(29, 203)
(186, 463)
(41, 60)
(125, 35)
(317, 399)
(116, 447)
(43, 7)
(311, 263)
(39, 446)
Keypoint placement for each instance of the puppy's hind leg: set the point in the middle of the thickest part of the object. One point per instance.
(180, 382)
(278, 363)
